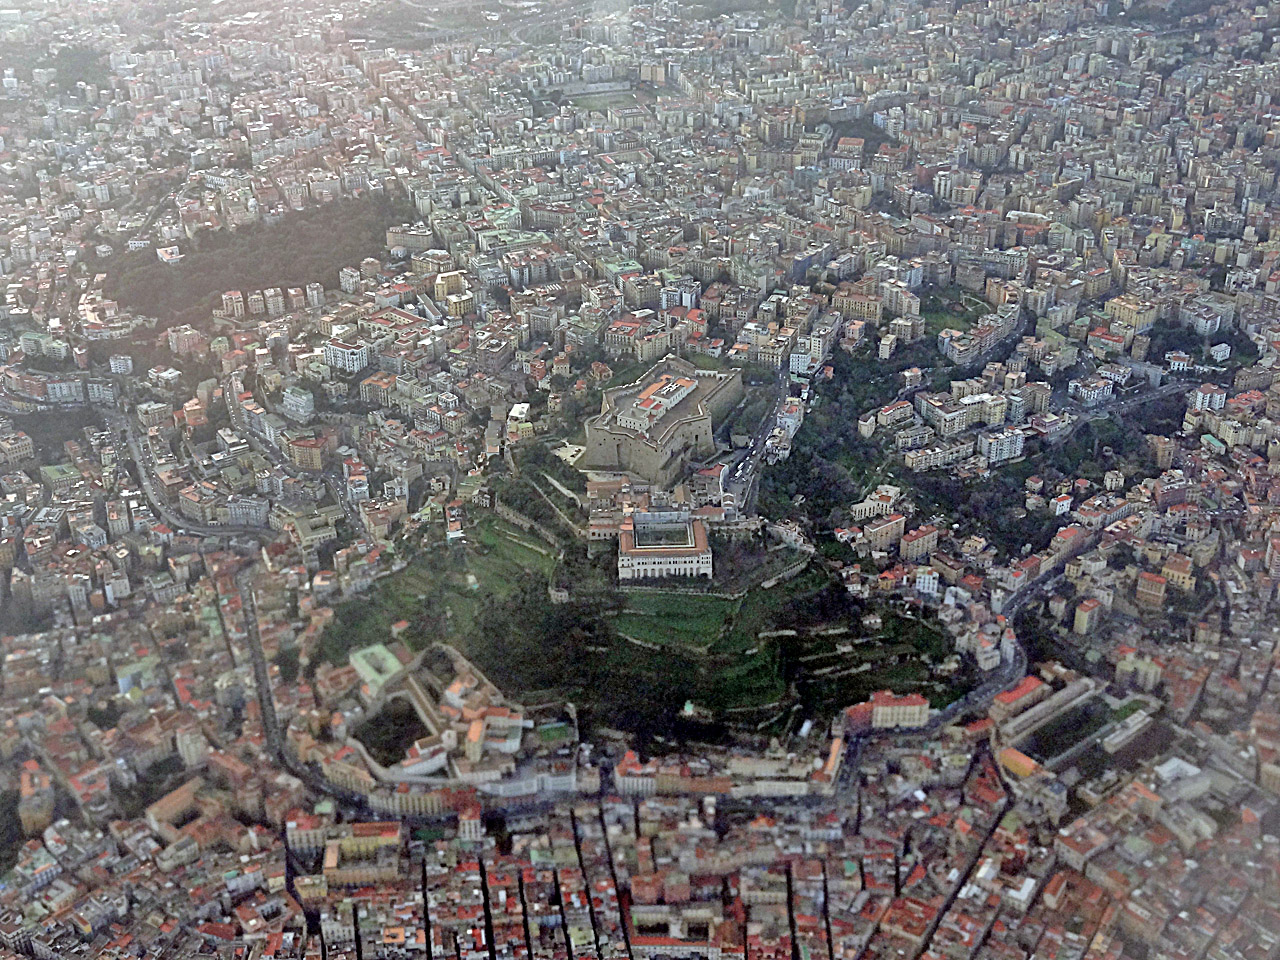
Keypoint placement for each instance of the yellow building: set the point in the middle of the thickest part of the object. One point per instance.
(369, 854)
(1088, 613)
(918, 543)
(880, 534)
(307, 453)
(1177, 570)
(1150, 590)
(1139, 314)
(460, 304)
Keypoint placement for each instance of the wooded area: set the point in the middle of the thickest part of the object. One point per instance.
(72, 63)
(302, 247)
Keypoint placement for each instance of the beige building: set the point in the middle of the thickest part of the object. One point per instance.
(883, 533)
(1177, 570)
(665, 421)
(918, 543)
(36, 797)
(1150, 590)
(887, 711)
(651, 550)
(1132, 311)
(369, 854)
(1009, 703)
(1088, 613)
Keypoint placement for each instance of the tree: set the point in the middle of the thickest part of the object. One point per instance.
(287, 659)
(300, 248)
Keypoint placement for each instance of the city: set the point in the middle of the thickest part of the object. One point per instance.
(546, 480)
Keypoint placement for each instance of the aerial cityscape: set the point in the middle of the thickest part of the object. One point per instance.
(686, 480)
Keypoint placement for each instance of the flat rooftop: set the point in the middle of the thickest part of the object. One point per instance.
(691, 540)
(664, 535)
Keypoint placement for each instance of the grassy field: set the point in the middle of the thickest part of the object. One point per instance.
(507, 556)
(489, 600)
(737, 669)
(750, 683)
(704, 362)
(714, 625)
(1126, 710)
(603, 101)
(760, 611)
(947, 310)
(712, 652)
(625, 373)
(633, 660)
(675, 618)
(439, 594)
(919, 634)
(935, 321)
(368, 619)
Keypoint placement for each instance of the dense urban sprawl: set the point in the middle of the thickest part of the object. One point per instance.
(786, 479)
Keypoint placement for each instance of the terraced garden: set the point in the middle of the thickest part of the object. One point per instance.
(440, 594)
(756, 661)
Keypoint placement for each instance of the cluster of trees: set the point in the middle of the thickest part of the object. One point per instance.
(302, 247)
(73, 63)
(746, 418)
(830, 464)
(49, 431)
(1166, 336)
(528, 645)
(738, 556)
(865, 129)
(158, 780)
(519, 494)
(993, 506)
(105, 714)
(1176, 13)
(11, 836)
(538, 458)
(288, 660)
(711, 9)
(388, 733)
(525, 643)
(900, 655)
